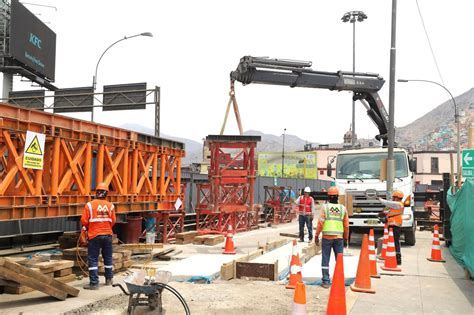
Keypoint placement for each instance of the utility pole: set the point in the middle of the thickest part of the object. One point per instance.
(283, 155)
(391, 104)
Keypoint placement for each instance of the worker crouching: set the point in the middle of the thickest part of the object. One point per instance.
(97, 219)
(334, 223)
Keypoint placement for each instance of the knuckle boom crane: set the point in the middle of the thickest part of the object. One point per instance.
(294, 73)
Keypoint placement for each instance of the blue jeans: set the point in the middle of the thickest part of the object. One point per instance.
(308, 220)
(95, 245)
(338, 246)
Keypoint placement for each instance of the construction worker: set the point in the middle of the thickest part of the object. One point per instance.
(393, 212)
(305, 205)
(97, 219)
(334, 223)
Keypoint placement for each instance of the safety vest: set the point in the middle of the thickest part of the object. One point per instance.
(394, 216)
(98, 217)
(334, 221)
(305, 205)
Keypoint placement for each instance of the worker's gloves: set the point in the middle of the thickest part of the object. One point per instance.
(84, 228)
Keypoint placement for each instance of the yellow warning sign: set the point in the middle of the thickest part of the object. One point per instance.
(34, 150)
(34, 147)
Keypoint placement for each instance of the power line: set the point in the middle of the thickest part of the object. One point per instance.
(429, 42)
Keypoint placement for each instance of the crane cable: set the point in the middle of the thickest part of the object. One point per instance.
(232, 101)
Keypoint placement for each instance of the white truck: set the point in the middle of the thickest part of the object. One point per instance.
(358, 175)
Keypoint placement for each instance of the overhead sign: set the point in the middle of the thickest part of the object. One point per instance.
(32, 43)
(33, 153)
(468, 163)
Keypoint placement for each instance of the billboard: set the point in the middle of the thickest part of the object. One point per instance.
(73, 100)
(31, 99)
(124, 96)
(32, 43)
(296, 164)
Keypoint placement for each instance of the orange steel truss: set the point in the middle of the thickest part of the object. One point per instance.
(143, 171)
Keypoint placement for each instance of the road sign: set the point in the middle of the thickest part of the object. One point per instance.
(33, 152)
(468, 163)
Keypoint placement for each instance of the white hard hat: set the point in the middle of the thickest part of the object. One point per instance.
(307, 189)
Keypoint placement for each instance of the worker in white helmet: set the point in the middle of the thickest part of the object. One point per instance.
(305, 205)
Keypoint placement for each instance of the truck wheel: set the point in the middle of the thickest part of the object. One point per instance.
(410, 238)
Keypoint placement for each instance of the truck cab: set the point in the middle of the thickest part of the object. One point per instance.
(359, 177)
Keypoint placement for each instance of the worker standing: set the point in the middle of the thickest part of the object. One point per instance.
(393, 213)
(305, 205)
(334, 223)
(97, 219)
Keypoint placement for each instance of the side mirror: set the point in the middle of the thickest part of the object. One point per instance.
(412, 164)
(329, 169)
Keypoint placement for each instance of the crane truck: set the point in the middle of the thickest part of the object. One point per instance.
(358, 171)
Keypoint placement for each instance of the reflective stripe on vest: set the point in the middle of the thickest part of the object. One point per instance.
(100, 220)
(334, 222)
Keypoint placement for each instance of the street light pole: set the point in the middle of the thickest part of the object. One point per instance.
(283, 155)
(353, 17)
(456, 121)
(94, 79)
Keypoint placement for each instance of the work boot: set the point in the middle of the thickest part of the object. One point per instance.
(109, 281)
(91, 287)
(325, 285)
(301, 240)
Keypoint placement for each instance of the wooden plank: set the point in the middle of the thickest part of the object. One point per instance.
(212, 240)
(63, 272)
(186, 235)
(199, 239)
(12, 266)
(140, 246)
(67, 278)
(294, 235)
(35, 282)
(256, 271)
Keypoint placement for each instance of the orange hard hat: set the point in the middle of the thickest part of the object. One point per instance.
(333, 191)
(398, 194)
(102, 186)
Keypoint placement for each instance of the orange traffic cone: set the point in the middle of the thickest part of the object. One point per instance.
(385, 241)
(390, 258)
(337, 295)
(362, 281)
(299, 300)
(372, 259)
(435, 248)
(295, 268)
(229, 243)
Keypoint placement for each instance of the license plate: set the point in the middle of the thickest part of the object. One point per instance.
(372, 222)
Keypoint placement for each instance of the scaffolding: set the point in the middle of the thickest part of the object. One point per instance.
(277, 207)
(228, 198)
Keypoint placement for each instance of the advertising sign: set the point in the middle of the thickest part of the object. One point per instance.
(32, 43)
(296, 164)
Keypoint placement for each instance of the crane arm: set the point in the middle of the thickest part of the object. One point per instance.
(293, 73)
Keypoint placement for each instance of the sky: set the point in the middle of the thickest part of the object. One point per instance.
(196, 44)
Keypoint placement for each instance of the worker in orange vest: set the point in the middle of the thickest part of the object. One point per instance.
(305, 205)
(393, 212)
(97, 219)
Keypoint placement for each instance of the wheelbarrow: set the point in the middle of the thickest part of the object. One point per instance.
(146, 291)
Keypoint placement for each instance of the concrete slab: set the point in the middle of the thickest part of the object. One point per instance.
(312, 269)
(207, 266)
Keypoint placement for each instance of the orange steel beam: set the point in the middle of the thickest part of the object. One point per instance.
(76, 152)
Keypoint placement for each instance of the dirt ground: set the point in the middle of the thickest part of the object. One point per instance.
(220, 297)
